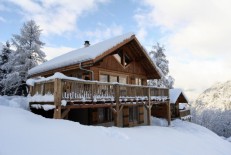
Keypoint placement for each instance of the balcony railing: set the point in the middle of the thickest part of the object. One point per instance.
(94, 91)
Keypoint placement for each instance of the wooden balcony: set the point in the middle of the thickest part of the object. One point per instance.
(81, 91)
(72, 93)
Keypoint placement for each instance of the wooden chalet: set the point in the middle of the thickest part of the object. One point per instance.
(178, 106)
(101, 84)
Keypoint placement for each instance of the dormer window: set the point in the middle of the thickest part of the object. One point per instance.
(122, 58)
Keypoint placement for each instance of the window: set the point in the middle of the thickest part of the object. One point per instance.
(133, 114)
(122, 80)
(118, 57)
(104, 115)
(103, 78)
(122, 58)
(127, 60)
(113, 78)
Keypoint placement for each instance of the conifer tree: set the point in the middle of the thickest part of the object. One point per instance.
(159, 58)
(8, 77)
(28, 49)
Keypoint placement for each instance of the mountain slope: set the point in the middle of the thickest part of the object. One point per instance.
(212, 109)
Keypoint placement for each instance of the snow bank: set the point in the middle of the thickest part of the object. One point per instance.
(41, 98)
(14, 101)
(229, 139)
(45, 107)
(24, 133)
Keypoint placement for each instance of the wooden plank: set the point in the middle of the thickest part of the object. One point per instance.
(57, 98)
(85, 106)
(65, 113)
(168, 109)
(149, 108)
(117, 95)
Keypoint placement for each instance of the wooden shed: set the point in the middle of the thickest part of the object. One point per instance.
(179, 104)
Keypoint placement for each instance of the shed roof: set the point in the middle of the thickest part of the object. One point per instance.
(174, 94)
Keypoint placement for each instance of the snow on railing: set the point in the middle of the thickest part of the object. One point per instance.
(78, 90)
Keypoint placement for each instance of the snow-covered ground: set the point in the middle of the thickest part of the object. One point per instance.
(24, 133)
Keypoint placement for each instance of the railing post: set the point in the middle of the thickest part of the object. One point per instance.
(117, 97)
(168, 110)
(149, 107)
(57, 98)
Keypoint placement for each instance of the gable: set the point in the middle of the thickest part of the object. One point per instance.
(138, 55)
(110, 63)
(177, 96)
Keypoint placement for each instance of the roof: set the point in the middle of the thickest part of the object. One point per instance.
(95, 53)
(80, 55)
(174, 94)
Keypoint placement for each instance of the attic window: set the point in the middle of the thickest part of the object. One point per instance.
(122, 58)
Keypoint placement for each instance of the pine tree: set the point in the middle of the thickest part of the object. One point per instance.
(8, 78)
(28, 49)
(159, 58)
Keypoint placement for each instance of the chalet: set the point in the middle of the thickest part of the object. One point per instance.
(101, 84)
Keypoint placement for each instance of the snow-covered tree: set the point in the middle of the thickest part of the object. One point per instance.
(9, 77)
(159, 58)
(28, 52)
(28, 48)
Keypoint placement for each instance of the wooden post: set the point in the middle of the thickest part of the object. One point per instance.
(168, 112)
(149, 108)
(57, 98)
(117, 97)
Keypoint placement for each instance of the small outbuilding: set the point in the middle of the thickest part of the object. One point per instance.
(179, 104)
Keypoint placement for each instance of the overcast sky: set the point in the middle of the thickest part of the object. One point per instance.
(196, 33)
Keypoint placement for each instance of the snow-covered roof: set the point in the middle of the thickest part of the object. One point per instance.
(80, 55)
(174, 94)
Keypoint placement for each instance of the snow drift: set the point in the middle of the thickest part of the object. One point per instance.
(24, 133)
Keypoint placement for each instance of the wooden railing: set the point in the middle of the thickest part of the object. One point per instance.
(184, 113)
(92, 91)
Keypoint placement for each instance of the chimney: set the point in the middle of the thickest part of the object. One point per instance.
(86, 43)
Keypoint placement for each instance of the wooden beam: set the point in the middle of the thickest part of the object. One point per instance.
(113, 110)
(85, 106)
(149, 108)
(65, 113)
(57, 98)
(168, 113)
(117, 96)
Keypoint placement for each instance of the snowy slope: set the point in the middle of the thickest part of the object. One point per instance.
(24, 133)
(212, 108)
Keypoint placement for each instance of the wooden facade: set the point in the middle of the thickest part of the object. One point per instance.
(120, 96)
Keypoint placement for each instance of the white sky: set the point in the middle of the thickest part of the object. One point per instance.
(196, 33)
